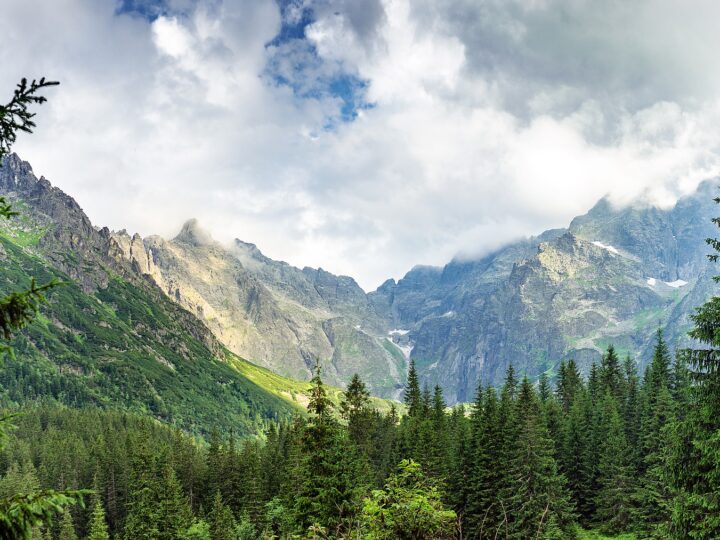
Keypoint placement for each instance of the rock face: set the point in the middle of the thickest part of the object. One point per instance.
(613, 276)
(279, 316)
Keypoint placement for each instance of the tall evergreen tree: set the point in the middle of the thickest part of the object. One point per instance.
(98, 525)
(67, 527)
(616, 486)
(413, 397)
(221, 520)
(568, 384)
(575, 457)
(486, 475)
(174, 515)
(611, 375)
(538, 501)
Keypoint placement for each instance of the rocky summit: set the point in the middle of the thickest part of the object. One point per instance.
(614, 275)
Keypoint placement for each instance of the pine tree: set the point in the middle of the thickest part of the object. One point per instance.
(537, 491)
(611, 376)
(616, 486)
(98, 526)
(544, 391)
(413, 397)
(575, 457)
(174, 515)
(67, 527)
(221, 521)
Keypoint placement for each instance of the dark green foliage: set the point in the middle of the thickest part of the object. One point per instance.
(67, 527)
(409, 508)
(330, 475)
(98, 526)
(538, 503)
(15, 116)
(613, 500)
(575, 457)
(413, 398)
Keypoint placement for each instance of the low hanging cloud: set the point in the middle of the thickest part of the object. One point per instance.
(375, 135)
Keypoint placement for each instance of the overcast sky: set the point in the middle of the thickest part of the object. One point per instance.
(366, 136)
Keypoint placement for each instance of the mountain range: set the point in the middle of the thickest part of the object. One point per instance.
(614, 275)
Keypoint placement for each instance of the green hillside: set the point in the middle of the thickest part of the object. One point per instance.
(129, 348)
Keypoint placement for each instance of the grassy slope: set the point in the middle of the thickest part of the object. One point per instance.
(123, 347)
(292, 390)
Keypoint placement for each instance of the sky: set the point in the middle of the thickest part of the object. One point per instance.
(367, 136)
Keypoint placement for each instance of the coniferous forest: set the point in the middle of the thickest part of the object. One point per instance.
(611, 452)
(616, 452)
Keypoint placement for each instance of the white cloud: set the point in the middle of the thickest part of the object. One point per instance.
(492, 120)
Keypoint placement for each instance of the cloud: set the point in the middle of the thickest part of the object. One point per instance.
(366, 137)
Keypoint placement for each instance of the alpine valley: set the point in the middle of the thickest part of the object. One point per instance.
(152, 324)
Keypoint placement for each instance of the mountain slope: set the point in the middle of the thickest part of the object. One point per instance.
(279, 316)
(108, 337)
(613, 276)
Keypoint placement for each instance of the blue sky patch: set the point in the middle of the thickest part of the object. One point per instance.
(296, 63)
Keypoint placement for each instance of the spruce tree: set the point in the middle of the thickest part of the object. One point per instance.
(355, 398)
(568, 384)
(438, 459)
(413, 397)
(174, 515)
(611, 375)
(221, 520)
(538, 502)
(67, 527)
(575, 458)
(489, 470)
(98, 526)
(613, 499)
(331, 474)
(631, 409)
(544, 391)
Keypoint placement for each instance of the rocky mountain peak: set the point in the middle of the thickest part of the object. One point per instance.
(193, 234)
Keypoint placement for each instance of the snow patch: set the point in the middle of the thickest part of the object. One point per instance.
(405, 349)
(448, 314)
(606, 247)
(398, 332)
(652, 281)
(675, 284)
(358, 327)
